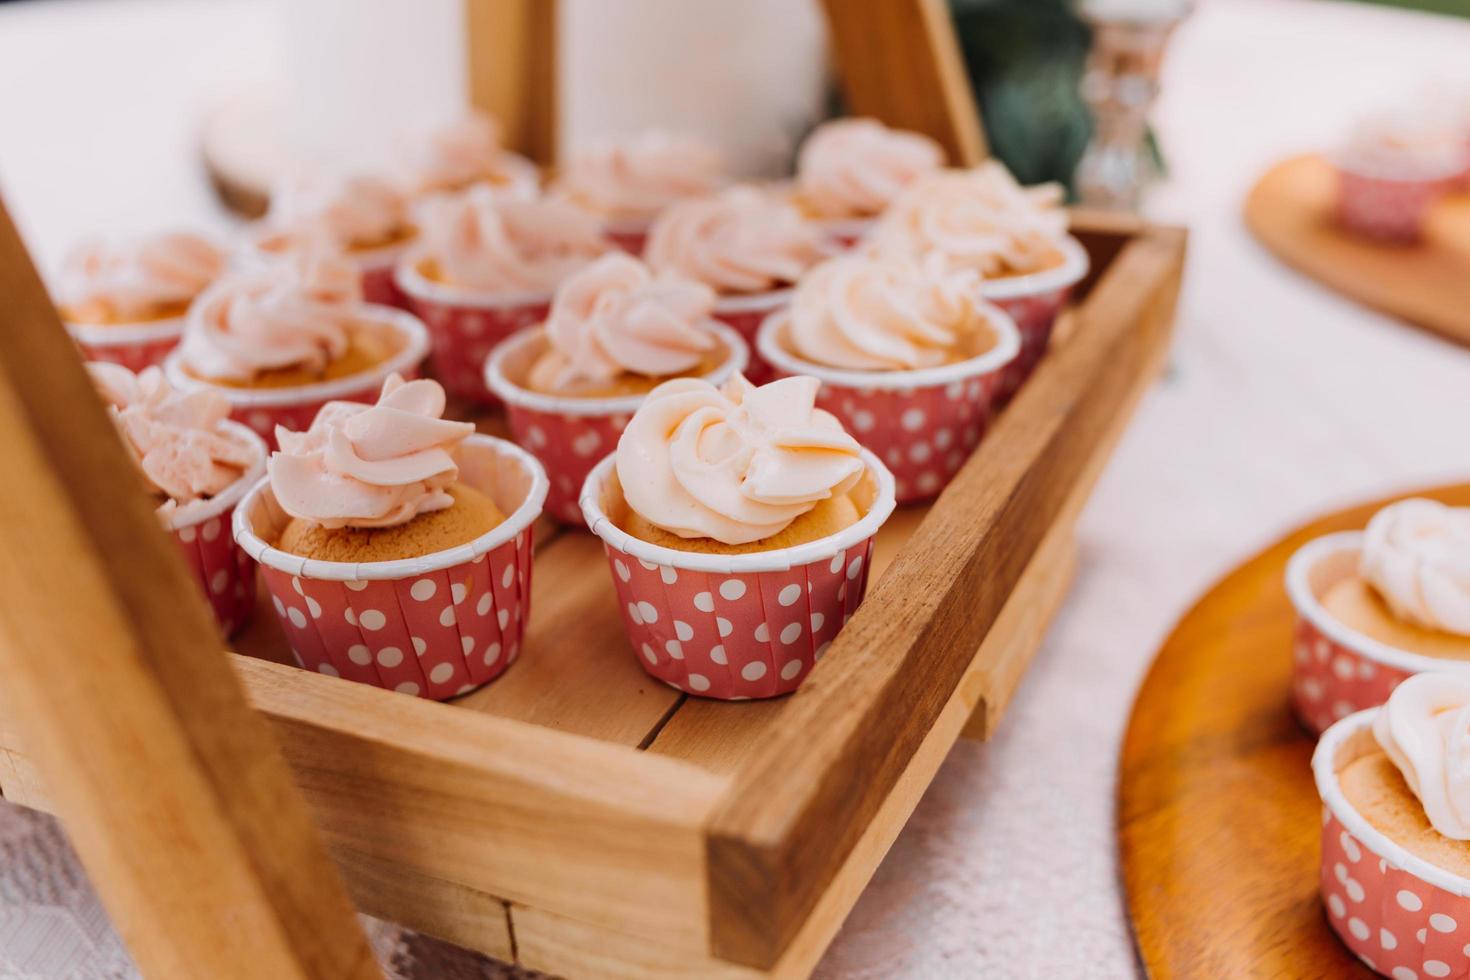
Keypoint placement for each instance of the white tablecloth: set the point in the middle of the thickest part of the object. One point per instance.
(1282, 400)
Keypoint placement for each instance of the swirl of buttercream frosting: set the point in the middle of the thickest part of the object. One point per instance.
(465, 151)
(136, 280)
(483, 240)
(742, 240)
(883, 313)
(1425, 730)
(736, 464)
(854, 168)
(370, 465)
(616, 317)
(359, 211)
(177, 439)
(1416, 554)
(297, 313)
(636, 178)
(979, 219)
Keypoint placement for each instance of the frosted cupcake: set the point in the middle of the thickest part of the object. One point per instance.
(488, 267)
(1377, 606)
(396, 543)
(1392, 168)
(748, 245)
(1014, 237)
(614, 333)
(280, 343)
(1396, 829)
(627, 183)
(909, 356)
(849, 170)
(126, 303)
(366, 218)
(197, 465)
(459, 154)
(739, 524)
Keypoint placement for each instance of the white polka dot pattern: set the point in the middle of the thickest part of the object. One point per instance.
(226, 575)
(461, 337)
(1330, 681)
(1035, 316)
(413, 614)
(1387, 210)
(568, 446)
(134, 355)
(750, 635)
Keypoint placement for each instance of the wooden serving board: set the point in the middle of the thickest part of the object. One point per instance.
(1218, 817)
(1428, 284)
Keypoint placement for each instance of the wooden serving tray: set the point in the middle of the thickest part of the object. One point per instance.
(1428, 284)
(577, 817)
(1218, 817)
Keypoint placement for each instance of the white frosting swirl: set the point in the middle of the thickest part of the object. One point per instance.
(352, 212)
(853, 168)
(467, 151)
(136, 281)
(1416, 553)
(743, 240)
(736, 465)
(637, 178)
(1425, 729)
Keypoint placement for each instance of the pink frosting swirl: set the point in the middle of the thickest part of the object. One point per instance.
(370, 465)
(882, 313)
(637, 178)
(853, 168)
(481, 240)
(979, 219)
(615, 317)
(297, 314)
(467, 151)
(743, 240)
(351, 212)
(177, 438)
(736, 465)
(136, 280)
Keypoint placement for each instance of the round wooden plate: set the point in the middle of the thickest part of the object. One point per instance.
(1218, 819)
(1428, 284)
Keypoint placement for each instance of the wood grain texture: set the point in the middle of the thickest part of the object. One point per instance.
(845, 736)
(512, 70)
(1428, 284)
(113, 670)
(1218, 818)
(899, 61)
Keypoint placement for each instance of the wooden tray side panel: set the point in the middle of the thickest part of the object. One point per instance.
(777, 841)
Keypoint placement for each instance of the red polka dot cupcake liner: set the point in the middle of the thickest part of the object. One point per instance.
(744, 315)
(1337, 671)
(923, 423)
(569, 435)
(736, 627)
(1034, 302)
(1388, 208)
(1401, 915)
(465, 326)
(133, 345)
(434, 627)
(225, 573)
(262, 409)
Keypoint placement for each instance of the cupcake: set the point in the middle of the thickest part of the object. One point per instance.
(909, 356)
(1377, 606)
(197, 465)
(1396, 829)
(615, 332)
(488, 267)
(849, 170)
(397, 544)
(626, 184)
(748, 245)
(366, 218)
(1014, 237)
(467, 151)
(1392, 168)
(278, 344)
(739, 524)
(126, 303)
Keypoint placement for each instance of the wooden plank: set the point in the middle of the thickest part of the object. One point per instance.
(113, 668)
(797, 807)
(899, 61)
(512, 69)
